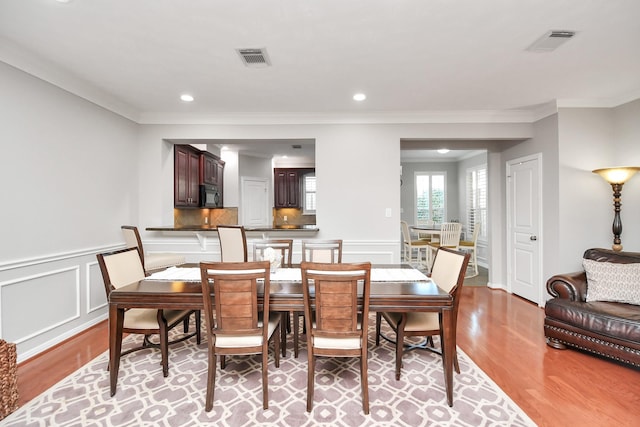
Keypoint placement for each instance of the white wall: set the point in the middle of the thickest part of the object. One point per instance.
(69, 173)
(93, 171)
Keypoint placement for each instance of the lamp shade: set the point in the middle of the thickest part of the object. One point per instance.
(618, 175)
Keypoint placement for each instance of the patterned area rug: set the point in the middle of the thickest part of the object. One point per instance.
(145, 398)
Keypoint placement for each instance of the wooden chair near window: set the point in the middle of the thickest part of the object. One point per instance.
(337, 323)
(235, 323)
(233, 243)
(471, 246)
(124, 267)
(325, 251)
(449, 238)
(153, 261)
(410, 245)
(285, 248)
(448, 272)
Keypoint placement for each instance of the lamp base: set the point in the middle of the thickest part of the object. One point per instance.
(616, 248)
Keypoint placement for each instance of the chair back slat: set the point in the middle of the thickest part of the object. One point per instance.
(282, 246)
(336, 288)
(450, 234)
(230, 292)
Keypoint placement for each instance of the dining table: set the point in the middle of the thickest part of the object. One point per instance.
(393, 288)
(432, 229)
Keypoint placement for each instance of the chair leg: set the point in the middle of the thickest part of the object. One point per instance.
(265, 381)
(283, 332)
(296, 332)
(198, 316)
(364, 378)
(276, 345)
(310, 379)
(211, 381)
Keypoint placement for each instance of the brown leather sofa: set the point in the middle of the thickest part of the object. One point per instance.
(609, 329)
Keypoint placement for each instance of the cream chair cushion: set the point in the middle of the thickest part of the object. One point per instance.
(234, 341)
(162, 260)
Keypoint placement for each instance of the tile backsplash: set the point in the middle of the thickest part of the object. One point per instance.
(186, 217)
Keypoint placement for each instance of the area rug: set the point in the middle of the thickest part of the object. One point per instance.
(145, 398)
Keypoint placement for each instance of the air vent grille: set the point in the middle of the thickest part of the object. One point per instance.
(254, 58)
(551, 40)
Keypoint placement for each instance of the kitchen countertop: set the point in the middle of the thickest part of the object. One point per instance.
(307, 228)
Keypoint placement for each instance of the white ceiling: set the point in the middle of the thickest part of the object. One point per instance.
(413, 58)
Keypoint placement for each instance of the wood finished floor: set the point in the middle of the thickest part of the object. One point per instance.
(502, 333)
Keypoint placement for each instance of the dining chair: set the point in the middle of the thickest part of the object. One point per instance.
(285, 249)
(124, 267)
(471, 246)
(235, 321)
(152, 261)
(336, 315)
(409, 245)
(449, 238)
(326, 251)
(233, 243)
(448, 272)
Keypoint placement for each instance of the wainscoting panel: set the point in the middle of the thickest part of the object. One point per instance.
(47, 299)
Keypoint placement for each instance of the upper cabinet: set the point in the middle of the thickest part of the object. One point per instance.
(186, 176)
(211, 169)
(192, 168)
(287, 187)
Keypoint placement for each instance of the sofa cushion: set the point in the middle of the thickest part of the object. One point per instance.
(608, 281)
(608, 319)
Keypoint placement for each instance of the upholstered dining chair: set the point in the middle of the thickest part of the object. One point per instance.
(283, 247)
(326, 251)
(471, 246)
(150, 261)
(448, 272)
(449, 238)
(336, 315)
(233, 243)
(409, 245)
(235, 323)
(123, 267)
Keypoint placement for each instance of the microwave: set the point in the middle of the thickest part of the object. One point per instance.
(210, 196)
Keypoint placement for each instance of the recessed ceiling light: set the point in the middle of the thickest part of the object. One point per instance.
(359, 97)
(186, 97)
(63, 1)
(443, 150)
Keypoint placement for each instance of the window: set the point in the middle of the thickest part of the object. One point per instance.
(309, 193)
(477, 201)
(431, 197)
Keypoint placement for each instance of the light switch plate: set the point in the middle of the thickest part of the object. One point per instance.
(387, 212)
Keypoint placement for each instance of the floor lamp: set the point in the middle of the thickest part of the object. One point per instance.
(617, 177)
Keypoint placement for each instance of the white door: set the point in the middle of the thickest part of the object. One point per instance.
(255, 202)
(524, 209)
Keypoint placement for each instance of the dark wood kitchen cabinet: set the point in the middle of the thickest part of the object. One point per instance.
(211, 169)
(287, 191)
(186, 183)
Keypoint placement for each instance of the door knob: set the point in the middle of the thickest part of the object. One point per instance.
(533, 238)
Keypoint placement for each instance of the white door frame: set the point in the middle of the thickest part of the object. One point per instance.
(539, 210)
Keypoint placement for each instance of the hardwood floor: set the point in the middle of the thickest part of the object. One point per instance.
(503, 335)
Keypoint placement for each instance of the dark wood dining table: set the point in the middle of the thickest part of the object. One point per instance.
(283, 296)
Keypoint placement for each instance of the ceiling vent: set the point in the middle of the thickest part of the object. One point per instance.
(254, 58)
(296, 146)
(551, 40)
